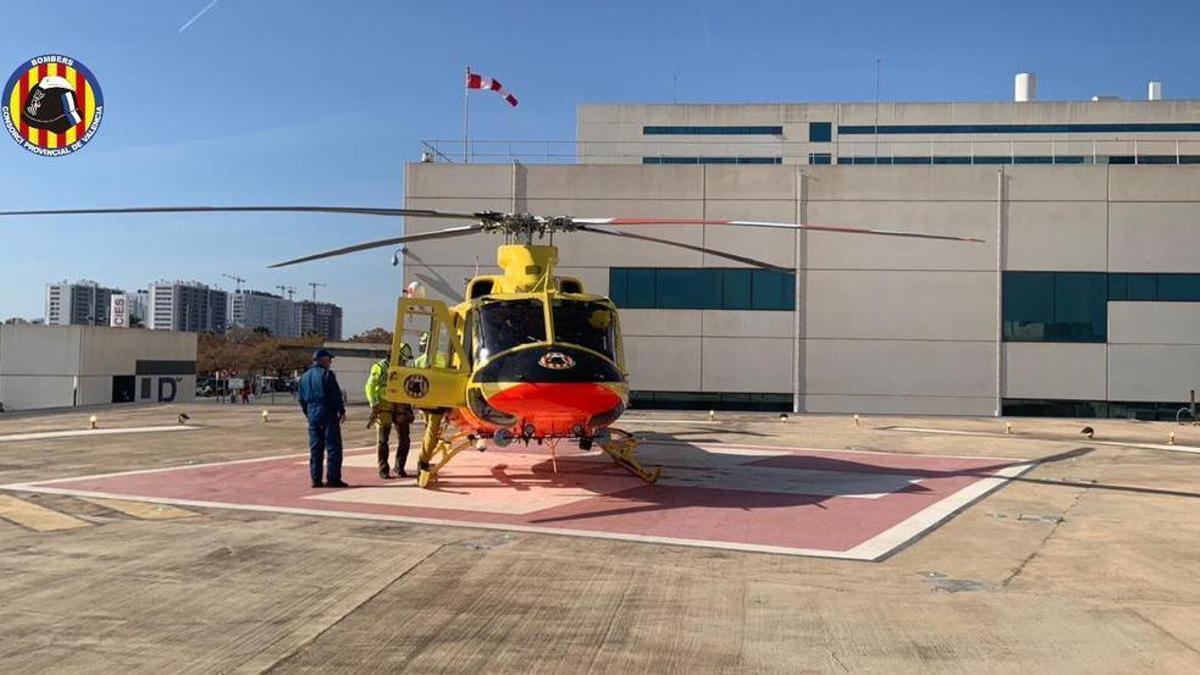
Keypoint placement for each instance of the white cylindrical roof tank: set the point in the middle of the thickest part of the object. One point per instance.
(1154, 92)
(1025, 88)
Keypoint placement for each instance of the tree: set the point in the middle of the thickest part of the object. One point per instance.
(249, 352)
(376, 335)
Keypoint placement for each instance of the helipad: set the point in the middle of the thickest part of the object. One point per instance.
(798, 501)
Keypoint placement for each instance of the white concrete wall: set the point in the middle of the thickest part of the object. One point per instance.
(95, 390)
(38, 366)
(1154, 322)
(40, 350)
(927, 377)
(25, 392)
(887, 325)
(54, 366)
(352, 363)
(1152, 372)
(1036, 370)
(352, 373)
(614, 133)
(1154, 352)
(115, 351)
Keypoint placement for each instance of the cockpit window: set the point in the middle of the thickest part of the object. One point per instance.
(587, 324)
(508, 323)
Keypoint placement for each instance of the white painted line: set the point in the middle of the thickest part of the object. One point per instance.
(1150, 446)
(951, 432)
(870, 550)
(791, 450)
(698, 543)
(1088, 441)
(629, 420)
(37, 436)
(929, 517)
(181, 467)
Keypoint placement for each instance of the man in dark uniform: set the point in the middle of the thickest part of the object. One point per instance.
(321, 400)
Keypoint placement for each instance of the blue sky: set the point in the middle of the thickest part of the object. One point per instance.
(310, 102)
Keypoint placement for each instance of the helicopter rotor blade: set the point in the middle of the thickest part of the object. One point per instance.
(391, 241)
(350, 210)
(754, 223)
(601, 229)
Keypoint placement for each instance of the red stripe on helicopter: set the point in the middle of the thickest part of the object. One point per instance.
(555, 399)
(665, 221)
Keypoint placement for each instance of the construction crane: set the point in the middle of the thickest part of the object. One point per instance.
(236, 279)
(290, 290)
(314, 289)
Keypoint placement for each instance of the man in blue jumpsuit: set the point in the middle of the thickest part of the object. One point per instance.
(321, 400)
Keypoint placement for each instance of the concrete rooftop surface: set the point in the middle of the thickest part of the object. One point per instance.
(813, 545)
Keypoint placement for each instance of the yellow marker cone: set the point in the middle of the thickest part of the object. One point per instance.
(92, 422)
(1008, 427)
(1171, 440)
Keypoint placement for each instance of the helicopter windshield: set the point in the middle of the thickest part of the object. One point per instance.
(587, 324)
(509, 323)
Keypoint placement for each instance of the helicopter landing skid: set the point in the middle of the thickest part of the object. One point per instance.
(620, 447)
(435, 444)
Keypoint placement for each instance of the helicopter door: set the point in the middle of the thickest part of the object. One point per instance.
(435, 376)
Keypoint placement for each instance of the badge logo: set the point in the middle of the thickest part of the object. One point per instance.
(556, 361)
(416, 386)
(52, 105)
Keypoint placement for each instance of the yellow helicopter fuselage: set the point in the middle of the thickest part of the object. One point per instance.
(526, 355)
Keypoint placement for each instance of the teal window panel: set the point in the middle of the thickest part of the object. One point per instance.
(640, 292)
(767, 290)
(1080, 307)
(820, 132)
(1027, 305)
(737, 292)
(1179, 288)
(1143, 287)
(618, 286)
(682, 289)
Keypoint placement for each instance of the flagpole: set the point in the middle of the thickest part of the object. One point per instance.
(467, 117)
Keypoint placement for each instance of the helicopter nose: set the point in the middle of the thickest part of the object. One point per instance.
(556, 388)
(549, 364)
(578, 400)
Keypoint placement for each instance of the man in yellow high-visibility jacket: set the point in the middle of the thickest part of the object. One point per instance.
(386, 413)
(440, 359)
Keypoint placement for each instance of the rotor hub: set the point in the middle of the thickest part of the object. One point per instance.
(525, 225)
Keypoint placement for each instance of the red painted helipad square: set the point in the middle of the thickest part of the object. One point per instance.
(833, 503)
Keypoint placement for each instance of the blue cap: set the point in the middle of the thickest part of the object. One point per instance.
(317, 355)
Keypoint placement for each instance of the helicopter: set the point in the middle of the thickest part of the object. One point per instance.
(528, 355)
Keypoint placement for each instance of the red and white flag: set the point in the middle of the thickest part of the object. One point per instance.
(477, 81)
